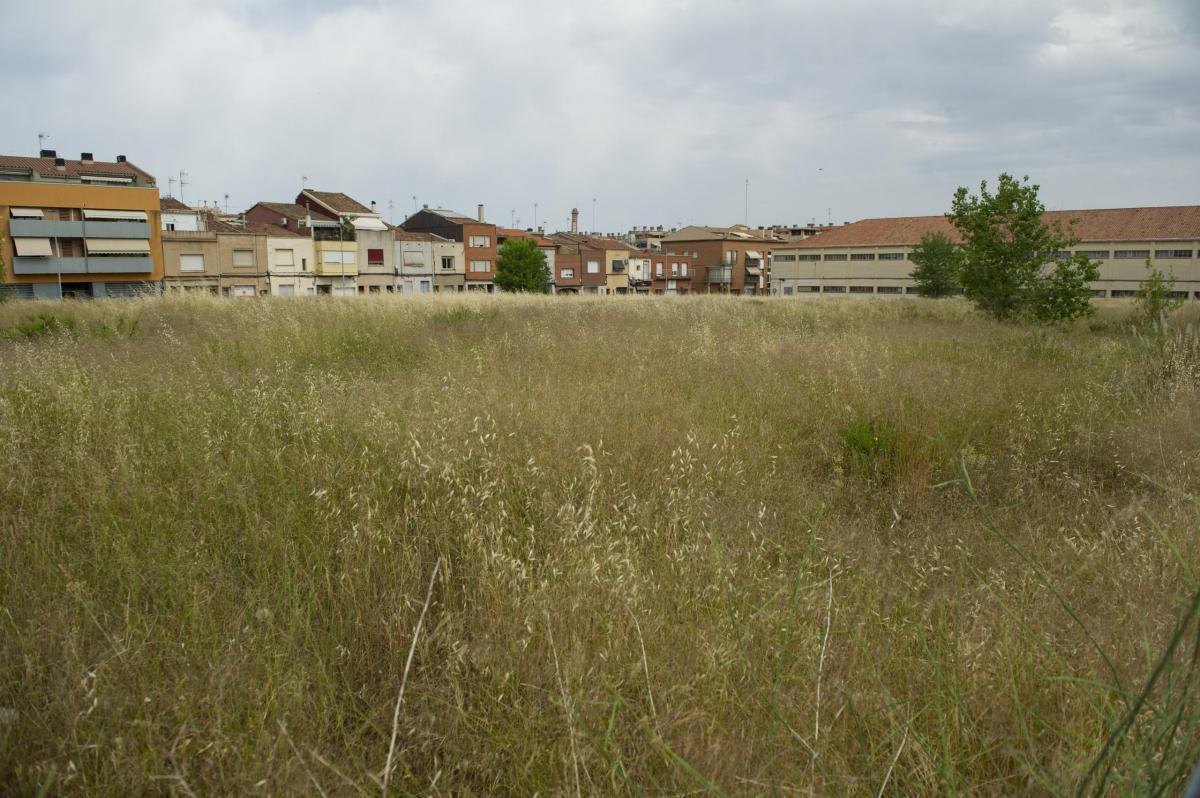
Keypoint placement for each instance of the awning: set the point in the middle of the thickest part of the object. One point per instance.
(752, 253)
(753, 271)
(32, 247)
(26, 213)
(414, 258)
(368, 223)
(125, 216)
(118, 246)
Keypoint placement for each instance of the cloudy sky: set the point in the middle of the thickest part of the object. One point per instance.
(660, 110)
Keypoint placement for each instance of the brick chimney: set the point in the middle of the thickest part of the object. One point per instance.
(574, 220)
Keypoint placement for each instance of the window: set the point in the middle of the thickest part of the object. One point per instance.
(785, 259)
(335, 257)
(618, 265)
(1122, 294)
(1094, 254)
(658, 271)
(244, 291)
(891, 256)
(1131, 254)
(1177, 295)
(375, 257)
(683, 270)
(287, 289)
(833, 289)
(674, 269)
(888, 289)
(170, 226)
(1172, 253)
(191, 263)
(593, 267)
(910, 289)
(374, 289)
(243, 257)
(730, 257)
(1099, 293)
(1062, 254)
(481, 242)
(788, 291)
(448, 263)
(861, 289)
(424, 286)
(863, 256)
(567, 274)
(285, 257)
(478, 266)
(809, 258)
(836, 257)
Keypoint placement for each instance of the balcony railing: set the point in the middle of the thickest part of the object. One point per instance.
(50, 228)
(720, 274)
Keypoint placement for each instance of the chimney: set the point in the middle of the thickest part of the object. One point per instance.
(481, 211)
(60, 164)
(372, 206)
(574, 220)
(86, 157)
(48, 154)
(121, 159)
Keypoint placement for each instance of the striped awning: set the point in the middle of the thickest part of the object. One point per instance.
(118, 246)
(32, 247)
(124, 216)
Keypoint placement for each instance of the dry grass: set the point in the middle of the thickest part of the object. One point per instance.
(696, 545)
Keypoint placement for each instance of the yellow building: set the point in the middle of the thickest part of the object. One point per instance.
(874, 256)
(80, 229)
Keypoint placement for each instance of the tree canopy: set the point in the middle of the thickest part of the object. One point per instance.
(1015, 266)
(937, 265)
(521, 266)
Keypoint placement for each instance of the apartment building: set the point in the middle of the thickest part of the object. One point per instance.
(290, 255)
(641, 271)
(648, 238)
(672, 274)
(873, 256)
(476, 235)
(221, 259)
(78, 228)
(177, 216)
(726, 260)
(597, 264)
(374, 250)
(416, 265)
(335, 247)
(548, 248)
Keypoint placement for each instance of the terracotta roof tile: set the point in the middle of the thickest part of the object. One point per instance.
(337, 201)
(172, 204)
(73, 169)
(1175, 223)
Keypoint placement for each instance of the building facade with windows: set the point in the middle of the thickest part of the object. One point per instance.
(872, 257)
(548, 248)
(374, 245)
(415, 261)
(476, 235)
(672, 274)
(727, 260)
(79, 229)
(335, 246)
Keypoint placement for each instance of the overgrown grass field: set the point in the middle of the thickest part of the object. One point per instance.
(506, 546)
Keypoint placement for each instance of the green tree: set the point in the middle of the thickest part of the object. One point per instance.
(1153, 299)
(521, 266)
(938, 263)
(1015, 266)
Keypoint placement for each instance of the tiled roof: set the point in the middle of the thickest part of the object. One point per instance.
(1175, 223)
(735, 233)
(338, 202)
(404, 235)
(454, 216)
(289, 210)
(272, 230)
(172, 204)
(72, 169)
(512, 232)
(592, 242)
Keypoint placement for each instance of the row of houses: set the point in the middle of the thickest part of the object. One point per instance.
(88, 228)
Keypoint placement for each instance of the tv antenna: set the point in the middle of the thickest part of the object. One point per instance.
(391, 212)
(170, 187)
(42, 139)
(183, 183)
(226, 204)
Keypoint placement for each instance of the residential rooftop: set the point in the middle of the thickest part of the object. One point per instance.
(46, 168)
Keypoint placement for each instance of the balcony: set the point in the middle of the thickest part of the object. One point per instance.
(109, 265)
(722, 275)
(42, 228)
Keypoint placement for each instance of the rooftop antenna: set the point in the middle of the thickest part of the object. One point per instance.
(226, 203)
(42, 139)
(303, 182)
(183, 183)
(391, 212)
(593, 214)
(512, 218)
(170, 187)
(535, 206)
(747, 222)
(414, 203)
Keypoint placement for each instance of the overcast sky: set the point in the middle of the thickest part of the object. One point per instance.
(658, 109)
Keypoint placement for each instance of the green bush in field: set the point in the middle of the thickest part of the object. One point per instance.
(44, 323)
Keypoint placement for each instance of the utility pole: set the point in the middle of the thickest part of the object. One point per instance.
(747, 211)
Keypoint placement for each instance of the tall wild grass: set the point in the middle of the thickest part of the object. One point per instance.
(485, 546)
